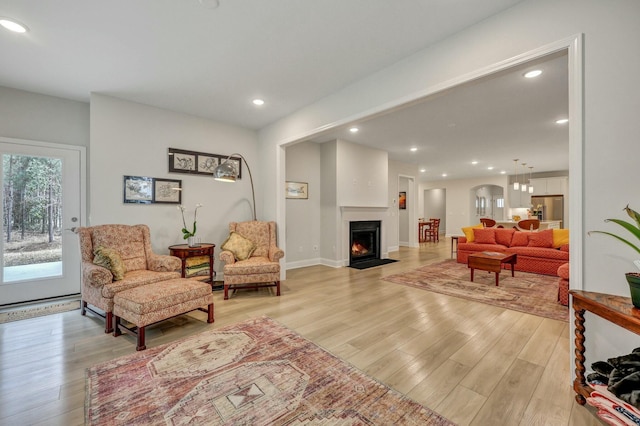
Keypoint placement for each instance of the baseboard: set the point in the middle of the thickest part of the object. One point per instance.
(303, 263)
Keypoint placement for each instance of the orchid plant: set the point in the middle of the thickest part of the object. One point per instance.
(185, 232)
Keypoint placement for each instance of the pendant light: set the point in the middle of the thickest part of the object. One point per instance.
(530, 186)
(523, 187)
(516, 184)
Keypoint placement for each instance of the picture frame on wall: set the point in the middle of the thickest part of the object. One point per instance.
(168, 191)
(297, 190)
(199, 163)
(402, 200)
(181, 161)
(237, 163)
(138, 189)
(207, 163)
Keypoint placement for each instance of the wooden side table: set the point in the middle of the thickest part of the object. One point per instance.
(184, 252)
(616, 309)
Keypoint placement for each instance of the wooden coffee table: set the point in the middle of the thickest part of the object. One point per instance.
(491, 261)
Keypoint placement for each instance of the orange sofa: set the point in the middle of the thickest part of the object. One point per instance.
(541, 252)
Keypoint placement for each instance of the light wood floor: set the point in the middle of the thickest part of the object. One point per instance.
(475, 364)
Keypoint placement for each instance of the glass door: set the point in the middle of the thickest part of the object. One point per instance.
(41, 204)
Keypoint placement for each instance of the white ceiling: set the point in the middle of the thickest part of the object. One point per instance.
(493, 121)
(211, 62)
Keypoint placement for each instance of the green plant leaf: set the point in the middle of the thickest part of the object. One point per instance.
(633, 214)
(626, 225)
(194, 229)
(633, 246)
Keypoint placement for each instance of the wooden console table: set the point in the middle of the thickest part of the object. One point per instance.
(183, 251)
(615, 309)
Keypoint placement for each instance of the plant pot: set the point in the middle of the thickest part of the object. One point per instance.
(191, 241)
(633, 278)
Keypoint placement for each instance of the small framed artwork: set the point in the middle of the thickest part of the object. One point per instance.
(299, 190)
(167, 191)
(402, 200)
(237, 163)
(206, 164)
(138, 189)
(181, 161)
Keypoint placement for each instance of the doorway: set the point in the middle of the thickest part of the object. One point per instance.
(41, 203)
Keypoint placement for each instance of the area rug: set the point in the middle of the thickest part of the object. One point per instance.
(531, 293)
(256, 372)
(38, 311)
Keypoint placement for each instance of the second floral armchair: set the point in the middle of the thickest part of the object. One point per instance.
(251, 256)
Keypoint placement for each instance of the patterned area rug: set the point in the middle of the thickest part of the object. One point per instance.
(531, 293)
(38, 311)
(253, 373)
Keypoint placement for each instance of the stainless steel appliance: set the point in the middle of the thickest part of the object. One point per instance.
(552, 207)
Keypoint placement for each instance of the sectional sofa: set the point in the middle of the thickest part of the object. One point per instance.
(541, 252)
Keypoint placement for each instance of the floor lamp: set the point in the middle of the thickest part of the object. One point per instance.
(226, 172)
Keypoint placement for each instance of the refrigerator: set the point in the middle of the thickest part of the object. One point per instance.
(552, 207)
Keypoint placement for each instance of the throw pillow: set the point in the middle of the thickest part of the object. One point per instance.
(110, 259)
(504, 236)
(560, 237)
(520, 239)
(241, 247)
(485, 236)
(541, 239)
(468, 232)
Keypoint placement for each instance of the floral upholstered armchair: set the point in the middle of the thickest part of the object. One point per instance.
(251, 256)
(117, 258)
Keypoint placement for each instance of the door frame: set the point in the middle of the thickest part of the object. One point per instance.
(82, 152)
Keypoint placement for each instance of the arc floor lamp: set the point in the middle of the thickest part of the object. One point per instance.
(226, 172)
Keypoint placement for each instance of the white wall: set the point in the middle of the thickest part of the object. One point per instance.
(133, 139)
(435, 205)
(26, 115)
(458, 200)
(611, 36)
(362, 175)
(303, 216)
(403, 215)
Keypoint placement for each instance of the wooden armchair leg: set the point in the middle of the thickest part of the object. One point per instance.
(277, 288)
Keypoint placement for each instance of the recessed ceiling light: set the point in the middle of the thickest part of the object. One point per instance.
(258, 102)
(532, 73)
(354, 130)
(414, 149)
(444, 175)
(13, 25)
(562, 121)
(423, 170)
(503, 172)
(474, 162)
(490, 168)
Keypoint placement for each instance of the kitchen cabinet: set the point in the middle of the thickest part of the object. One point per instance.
(519, 199)
(550, 186)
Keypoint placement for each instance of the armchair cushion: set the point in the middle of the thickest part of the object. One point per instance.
(111, 260)
(241, 247)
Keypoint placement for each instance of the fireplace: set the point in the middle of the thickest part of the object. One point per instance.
(364, 241)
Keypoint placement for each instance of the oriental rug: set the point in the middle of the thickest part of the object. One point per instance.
(526, 292)
(38, 311)
(256, 372)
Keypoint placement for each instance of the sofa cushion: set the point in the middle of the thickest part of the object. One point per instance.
(541, 239)
(560, 237)
(520, 239)
(504, 236)
(468, 232)
(475, 247)
(110, 259)
(241, 247)
(539, 252)
(484, 236)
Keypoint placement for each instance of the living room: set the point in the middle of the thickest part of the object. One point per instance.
(129, 138)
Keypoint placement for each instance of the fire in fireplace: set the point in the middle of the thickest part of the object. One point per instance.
(364, 241)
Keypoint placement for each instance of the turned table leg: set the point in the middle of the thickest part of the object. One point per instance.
(580, 381)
